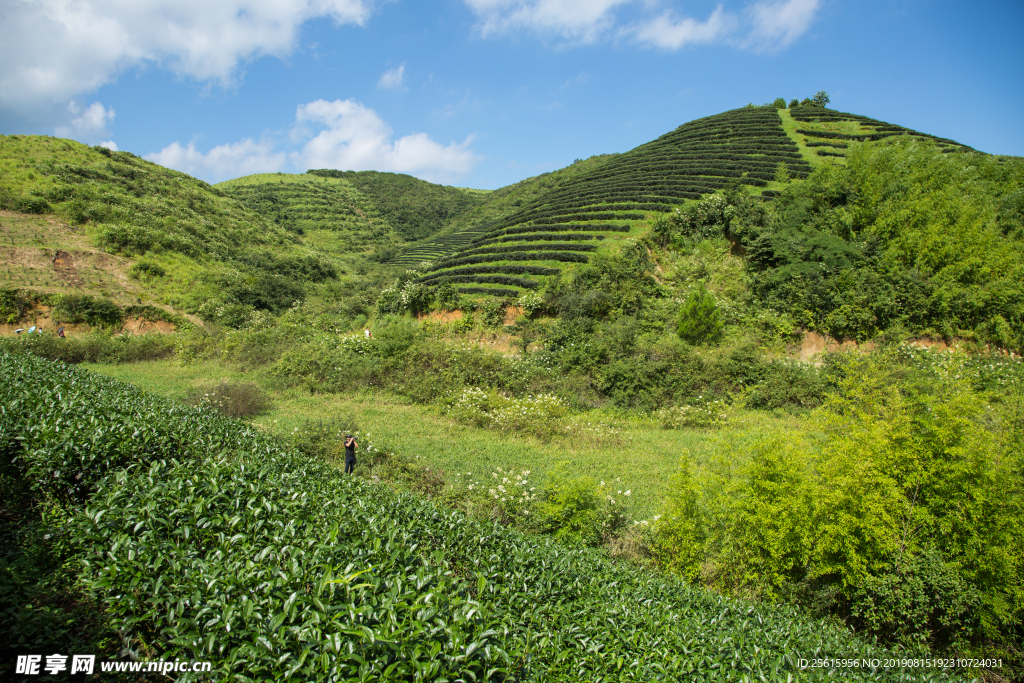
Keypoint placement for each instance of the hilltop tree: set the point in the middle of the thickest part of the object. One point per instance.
(820, 99)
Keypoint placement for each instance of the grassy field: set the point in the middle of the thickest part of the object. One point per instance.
(641, 458)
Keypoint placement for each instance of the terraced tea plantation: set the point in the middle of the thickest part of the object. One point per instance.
(305, 203)
(829, 132)
(566, 225)
(199, 538)
(439, 247)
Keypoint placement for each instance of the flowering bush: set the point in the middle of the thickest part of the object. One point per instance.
(704, 414)
(580, 511)
(540, 415)
(506, 496)
(405, 295)
(530, 302)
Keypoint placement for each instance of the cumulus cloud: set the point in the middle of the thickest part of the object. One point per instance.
(54, 50)
(354, 137)
(761, 26)
(223, 161)
(392, 79)
(342, 134)
(109, 144)
(672, 33)
(582, 20)
(86, 124)
(777, 24)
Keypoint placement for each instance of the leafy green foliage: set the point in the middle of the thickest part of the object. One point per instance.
(492, 313)
(881, 520)
(13, 304)
(81, 308)
(206, 540)
(903, 235)
(233, 399)
(94, 347)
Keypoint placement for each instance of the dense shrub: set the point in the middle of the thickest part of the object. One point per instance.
(232, 399)
(146, 269)
(82, 308)
(95, 347)
(875, 515)
(699, 320)
(14, 303)
(267, 292)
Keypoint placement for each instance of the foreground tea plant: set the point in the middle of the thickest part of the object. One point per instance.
(203, 539)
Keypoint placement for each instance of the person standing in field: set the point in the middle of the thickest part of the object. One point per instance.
(350, 453)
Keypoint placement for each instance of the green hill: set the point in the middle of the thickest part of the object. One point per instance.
(416, 208)
(752, 147)
(348, 210)
(137, 232)
(312, 205)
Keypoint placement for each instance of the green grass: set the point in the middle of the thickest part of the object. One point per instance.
(643, 458)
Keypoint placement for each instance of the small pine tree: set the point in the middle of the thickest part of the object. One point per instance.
(782, 172)
(699, 320)
(779, 103)
(820, 99)
(794, 103)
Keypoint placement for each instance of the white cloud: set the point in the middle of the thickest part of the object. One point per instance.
(671, 33)
(342, 134)
(54, 50)
(354, 137)
(777, 24)
(761, 26)
(88, 124)
(109, 144)
(392, 79)
(581, 20)
(223, 161)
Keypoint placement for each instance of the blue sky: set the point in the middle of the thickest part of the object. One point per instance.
(483, 93)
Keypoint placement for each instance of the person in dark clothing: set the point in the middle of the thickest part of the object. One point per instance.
(350, 453)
